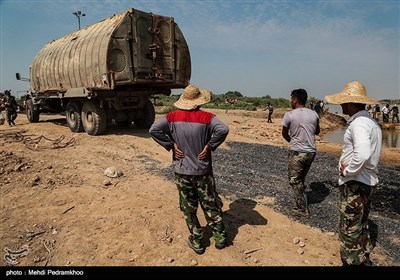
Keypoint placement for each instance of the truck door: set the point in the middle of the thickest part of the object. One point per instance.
(154, 60)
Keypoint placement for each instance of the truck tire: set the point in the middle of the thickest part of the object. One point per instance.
(94, 118)
(73, 113)
(125, 123)
(31, 113)
(122, 118)
(146, 116)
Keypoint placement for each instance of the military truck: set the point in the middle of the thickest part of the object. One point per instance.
(108, 72)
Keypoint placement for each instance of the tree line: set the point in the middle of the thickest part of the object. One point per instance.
(231, 100)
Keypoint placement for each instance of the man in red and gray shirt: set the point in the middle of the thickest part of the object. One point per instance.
(192, 134)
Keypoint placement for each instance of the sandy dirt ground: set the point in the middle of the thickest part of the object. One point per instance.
(59, 209)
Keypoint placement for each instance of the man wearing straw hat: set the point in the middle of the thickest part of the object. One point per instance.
(192, 134)
(358, 173)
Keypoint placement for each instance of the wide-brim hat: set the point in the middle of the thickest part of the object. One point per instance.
(353, 92)
(192, 97)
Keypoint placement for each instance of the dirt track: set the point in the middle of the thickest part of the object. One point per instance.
(59, 204)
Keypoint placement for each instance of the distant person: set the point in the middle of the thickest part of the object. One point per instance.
(312, 105)
(395, 113)
(192, 134)
(2, 107)
(377, 112)
(370, 110)
(322, 107)
(2, 118)
(299, 128)
(385, 113)
(374, 112)
(317, 108)
(270, 111)
(10, 105)
(358, 173)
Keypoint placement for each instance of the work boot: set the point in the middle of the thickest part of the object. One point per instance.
(295, 206)
(220, 245)
(220, 240)
(195, 245)
(367, 263)
(300, 213)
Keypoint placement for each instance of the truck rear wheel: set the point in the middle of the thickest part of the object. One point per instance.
(122, 118)
(94, 118)
(31, 113)
(146, 116)
(74, 118)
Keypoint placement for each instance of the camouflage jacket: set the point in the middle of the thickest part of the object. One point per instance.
(10, 103)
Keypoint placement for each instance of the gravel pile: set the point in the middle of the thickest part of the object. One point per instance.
(254, 171)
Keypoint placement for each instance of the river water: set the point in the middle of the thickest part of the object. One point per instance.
(390, 137)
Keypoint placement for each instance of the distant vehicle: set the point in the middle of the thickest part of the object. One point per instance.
(108, 71)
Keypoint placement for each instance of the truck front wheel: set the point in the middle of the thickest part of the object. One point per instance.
(74, 118)
(94, 118)
(31, 113)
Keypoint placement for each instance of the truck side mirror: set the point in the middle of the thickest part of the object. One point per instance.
(19, 78)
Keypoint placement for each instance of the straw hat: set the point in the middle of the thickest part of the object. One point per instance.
(353, 92)
(192, 97)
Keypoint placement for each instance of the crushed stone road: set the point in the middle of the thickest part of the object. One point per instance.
(254, 171)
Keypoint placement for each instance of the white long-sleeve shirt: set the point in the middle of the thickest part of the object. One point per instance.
(362, 150)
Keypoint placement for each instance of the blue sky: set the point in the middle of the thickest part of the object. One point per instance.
(258, 48)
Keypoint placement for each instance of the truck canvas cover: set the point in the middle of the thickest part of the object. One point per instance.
(127, 50)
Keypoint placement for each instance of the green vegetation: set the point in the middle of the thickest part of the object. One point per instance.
(389, 101)
(231, 100)
(234, 100)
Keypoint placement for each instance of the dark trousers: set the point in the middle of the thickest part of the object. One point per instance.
(270, 117)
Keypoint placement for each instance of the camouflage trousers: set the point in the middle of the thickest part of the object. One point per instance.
(200, 189)
(354, 235)
(299, 164)
(11, 115)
